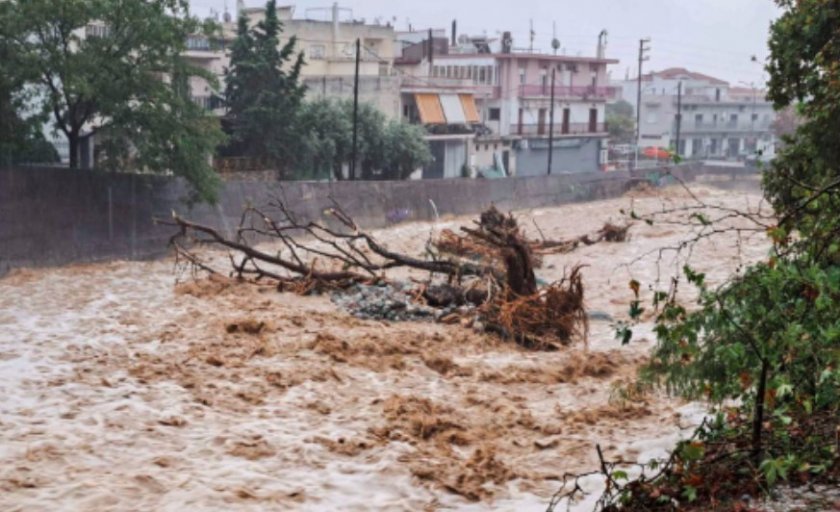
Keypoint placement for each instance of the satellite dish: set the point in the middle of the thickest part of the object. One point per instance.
(555, 43)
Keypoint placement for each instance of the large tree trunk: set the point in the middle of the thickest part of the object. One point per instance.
(73, 142)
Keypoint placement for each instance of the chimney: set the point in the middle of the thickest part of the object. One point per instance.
(507, 42)
(602, 44)
(454, 32)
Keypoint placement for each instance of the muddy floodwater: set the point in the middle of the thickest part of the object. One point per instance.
(122, 389)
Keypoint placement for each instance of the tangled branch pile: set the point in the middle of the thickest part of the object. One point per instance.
(488, 272)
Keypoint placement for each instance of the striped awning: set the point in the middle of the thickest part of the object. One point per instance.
(452, 109)
(429, 107)
(470, 110)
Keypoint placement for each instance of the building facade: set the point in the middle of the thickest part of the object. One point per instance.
(329, 50)
(717, 121)
(512, 93)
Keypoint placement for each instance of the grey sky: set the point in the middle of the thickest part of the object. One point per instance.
(716, 37)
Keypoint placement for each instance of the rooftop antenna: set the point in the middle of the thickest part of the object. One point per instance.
(555, 43)
(531, 48)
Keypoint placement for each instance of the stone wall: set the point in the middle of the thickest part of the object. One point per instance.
(58, 216)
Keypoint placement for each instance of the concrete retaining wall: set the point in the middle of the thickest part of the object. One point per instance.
(57, 216)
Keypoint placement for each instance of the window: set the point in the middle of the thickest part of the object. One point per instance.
(522, 76)
(593, 67)
(102, 31)
(193, 42)
(482, 75)
(495, 114)
(696, 147)
(652, 117)
(448, 71)
(755, 117)
(317, 51)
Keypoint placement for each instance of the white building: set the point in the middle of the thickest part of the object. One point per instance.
(718, 120)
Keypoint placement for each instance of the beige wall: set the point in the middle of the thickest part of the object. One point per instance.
(381, 92)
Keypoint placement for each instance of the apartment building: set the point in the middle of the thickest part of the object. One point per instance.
(718, 121)
(510, 91)
(327, 37)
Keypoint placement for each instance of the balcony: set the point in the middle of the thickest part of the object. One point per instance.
(435, 84)
(560, 130)
(689, 126)
(567, 92)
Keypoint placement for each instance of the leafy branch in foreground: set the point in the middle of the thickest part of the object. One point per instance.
(767, 342)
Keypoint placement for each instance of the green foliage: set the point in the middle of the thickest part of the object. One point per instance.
(263, 93)
(125, 83)
(20, 137)
(804, 181)
(783, 315)
(769, 339)
(620, 122)
(386, 149)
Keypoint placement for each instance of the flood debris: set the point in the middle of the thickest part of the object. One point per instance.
(483, 277)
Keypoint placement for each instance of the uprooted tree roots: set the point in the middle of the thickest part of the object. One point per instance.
(489, 270)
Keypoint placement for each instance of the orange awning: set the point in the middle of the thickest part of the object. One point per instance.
(430, 110)
(470, 110)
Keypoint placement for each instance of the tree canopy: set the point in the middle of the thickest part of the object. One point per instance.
(21, 139)
(386, 149)
(116, 69)
(263, 92)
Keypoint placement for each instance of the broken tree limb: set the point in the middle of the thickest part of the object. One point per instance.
(499, 286)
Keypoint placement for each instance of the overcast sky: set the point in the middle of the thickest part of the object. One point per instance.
(716, 37)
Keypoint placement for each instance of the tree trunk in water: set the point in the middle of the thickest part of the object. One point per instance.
(758, 419)
(520, 269)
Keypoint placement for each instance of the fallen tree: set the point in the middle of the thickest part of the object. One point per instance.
(491, 276)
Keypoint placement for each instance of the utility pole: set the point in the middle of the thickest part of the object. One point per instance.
(431, 52)
(643, 50)
(551, 121)
(356, 110)
(532, 33)
(679, 116)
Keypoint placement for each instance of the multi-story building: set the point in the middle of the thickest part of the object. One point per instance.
(510, 92)
(329, 49)
(717, 121)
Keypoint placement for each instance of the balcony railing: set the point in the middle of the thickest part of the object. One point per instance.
(566, 91)
(559, 129)
(725, 126)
